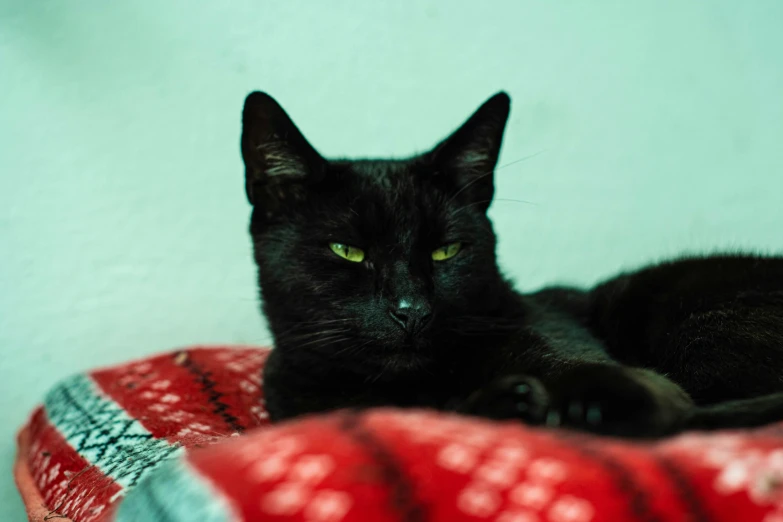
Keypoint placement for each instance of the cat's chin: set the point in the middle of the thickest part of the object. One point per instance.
(405, 362)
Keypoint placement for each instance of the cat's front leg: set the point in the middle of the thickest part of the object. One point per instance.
(605, 399)
(618, 400)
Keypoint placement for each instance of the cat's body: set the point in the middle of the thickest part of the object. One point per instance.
(380, 284)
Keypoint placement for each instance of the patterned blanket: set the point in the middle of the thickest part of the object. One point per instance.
(179, 437)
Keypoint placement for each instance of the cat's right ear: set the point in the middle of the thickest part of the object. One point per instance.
(278, 159)
(466, 160)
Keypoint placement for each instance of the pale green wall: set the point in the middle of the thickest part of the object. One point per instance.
(657, 127)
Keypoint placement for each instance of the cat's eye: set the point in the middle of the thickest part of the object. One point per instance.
(352, 254)
(446, 252)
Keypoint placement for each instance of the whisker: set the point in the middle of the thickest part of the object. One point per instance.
(504, 200)
(352, 348)
(511, 200)
(484, 175)
(312, 335)
(324, 341)
(467, 185)
(520, 160)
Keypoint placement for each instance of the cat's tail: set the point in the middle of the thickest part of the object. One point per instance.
(744, 413)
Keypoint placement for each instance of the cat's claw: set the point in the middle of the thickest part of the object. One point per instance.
(594, 417)
(588, 415)
(553, 418)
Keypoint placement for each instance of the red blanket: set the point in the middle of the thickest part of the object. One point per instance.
(159, 440)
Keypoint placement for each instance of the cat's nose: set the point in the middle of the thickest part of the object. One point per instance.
(411, 316)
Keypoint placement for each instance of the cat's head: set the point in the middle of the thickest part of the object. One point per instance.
(378, 262)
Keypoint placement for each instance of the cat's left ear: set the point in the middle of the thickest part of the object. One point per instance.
(468, 157)
(279, 161)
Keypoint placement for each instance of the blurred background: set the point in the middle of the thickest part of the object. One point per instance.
(639, 130)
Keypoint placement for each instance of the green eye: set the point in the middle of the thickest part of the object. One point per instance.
(352, 254)
(446, 252)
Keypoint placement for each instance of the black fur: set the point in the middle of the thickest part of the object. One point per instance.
(696, 343)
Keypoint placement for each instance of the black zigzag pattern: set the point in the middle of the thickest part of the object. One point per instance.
(103, 433)
(204, 378)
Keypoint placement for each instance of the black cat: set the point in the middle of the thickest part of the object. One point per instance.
(381, 287)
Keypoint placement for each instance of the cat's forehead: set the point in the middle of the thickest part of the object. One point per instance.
(390, 200)
(387, 175)
(393, 186)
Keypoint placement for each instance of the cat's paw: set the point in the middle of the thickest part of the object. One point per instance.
(513, 397)
(619, 401)
(607, 400)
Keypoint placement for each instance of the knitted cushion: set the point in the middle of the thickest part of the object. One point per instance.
(159, 440)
